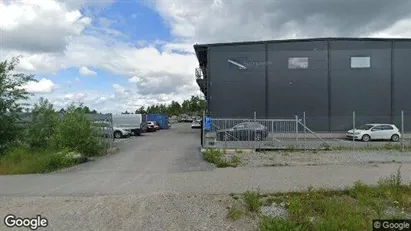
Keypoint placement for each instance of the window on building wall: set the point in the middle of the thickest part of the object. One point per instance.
(297, 63)
(360, 62)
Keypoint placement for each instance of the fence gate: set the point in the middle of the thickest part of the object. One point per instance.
(261, 134)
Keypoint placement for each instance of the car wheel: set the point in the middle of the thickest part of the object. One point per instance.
(395, 138)
(258, 136)
(117, 135)
(366, 138)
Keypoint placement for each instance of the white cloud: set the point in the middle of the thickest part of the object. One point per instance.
(86, 71)
(227, 20)
(39, 26)
(42, 86)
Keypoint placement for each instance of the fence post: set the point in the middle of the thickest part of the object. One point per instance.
(226, 134)
(305, 138)
(353, 130)
(203, 130)
(402, 130)
(296, 130)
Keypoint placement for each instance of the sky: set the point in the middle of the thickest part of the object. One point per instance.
(118, 55)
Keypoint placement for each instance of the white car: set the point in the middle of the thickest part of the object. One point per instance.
(121, 132)
(369, 132)
(196, 124)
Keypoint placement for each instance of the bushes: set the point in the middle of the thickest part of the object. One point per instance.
(25, 161)
(51, 136)
(43, 125)
(75, 133)
(72, 132)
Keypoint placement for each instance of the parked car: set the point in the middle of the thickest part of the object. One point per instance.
(196, 124)
(185, 118)
(245, 131)
(156, 125)
(121, 132)
(369, 132)
(151, 126)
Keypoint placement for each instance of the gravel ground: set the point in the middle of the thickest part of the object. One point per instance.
(161, 211)
(283, 158)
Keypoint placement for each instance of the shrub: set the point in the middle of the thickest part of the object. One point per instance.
(75, 133)
(43, 124)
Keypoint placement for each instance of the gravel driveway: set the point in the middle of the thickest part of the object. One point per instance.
(145, 186)
(283, 158)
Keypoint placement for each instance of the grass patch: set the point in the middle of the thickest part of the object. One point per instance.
(252, 200)
(235, 213)
(25, 161)
(321, 209)
(215, 156)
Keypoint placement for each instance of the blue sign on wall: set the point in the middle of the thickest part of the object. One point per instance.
(207, 123)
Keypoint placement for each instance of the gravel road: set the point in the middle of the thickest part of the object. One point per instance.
(145, 187)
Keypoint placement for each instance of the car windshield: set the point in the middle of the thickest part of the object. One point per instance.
(365, 127)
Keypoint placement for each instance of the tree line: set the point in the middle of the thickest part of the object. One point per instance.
(193, 106)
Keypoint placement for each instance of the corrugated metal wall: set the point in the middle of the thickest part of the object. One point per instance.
(328, 90)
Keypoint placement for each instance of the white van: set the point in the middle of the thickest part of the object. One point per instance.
(135, 122)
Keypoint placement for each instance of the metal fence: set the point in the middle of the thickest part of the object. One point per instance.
(299, 132)
(261, 134)
(102, 123)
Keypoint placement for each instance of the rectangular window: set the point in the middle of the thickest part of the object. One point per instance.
(298, 63)
(360, 62)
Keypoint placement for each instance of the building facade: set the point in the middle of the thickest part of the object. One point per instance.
(327, 78)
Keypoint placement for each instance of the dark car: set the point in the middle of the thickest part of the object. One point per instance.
(244, 132)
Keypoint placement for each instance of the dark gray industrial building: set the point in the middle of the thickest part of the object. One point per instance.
(328, 78)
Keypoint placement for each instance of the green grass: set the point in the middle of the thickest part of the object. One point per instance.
(252, 200)
(351, 209)
(235, 213)
(321, 209)
(24, 161)
(215, 156)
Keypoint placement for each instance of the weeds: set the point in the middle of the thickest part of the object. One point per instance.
(24, 161)
(322, 209)
(235, 213)
(215, 156)
(252, 200)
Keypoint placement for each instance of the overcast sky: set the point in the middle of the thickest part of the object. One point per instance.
(120, 55)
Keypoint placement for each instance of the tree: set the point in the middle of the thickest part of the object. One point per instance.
(75, 132)
(141, 110)
(12, 94)
(43, 124)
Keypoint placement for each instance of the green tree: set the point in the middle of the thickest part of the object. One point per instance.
(75, 133)
(43, 124)
(141, 110)
(12, 96)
